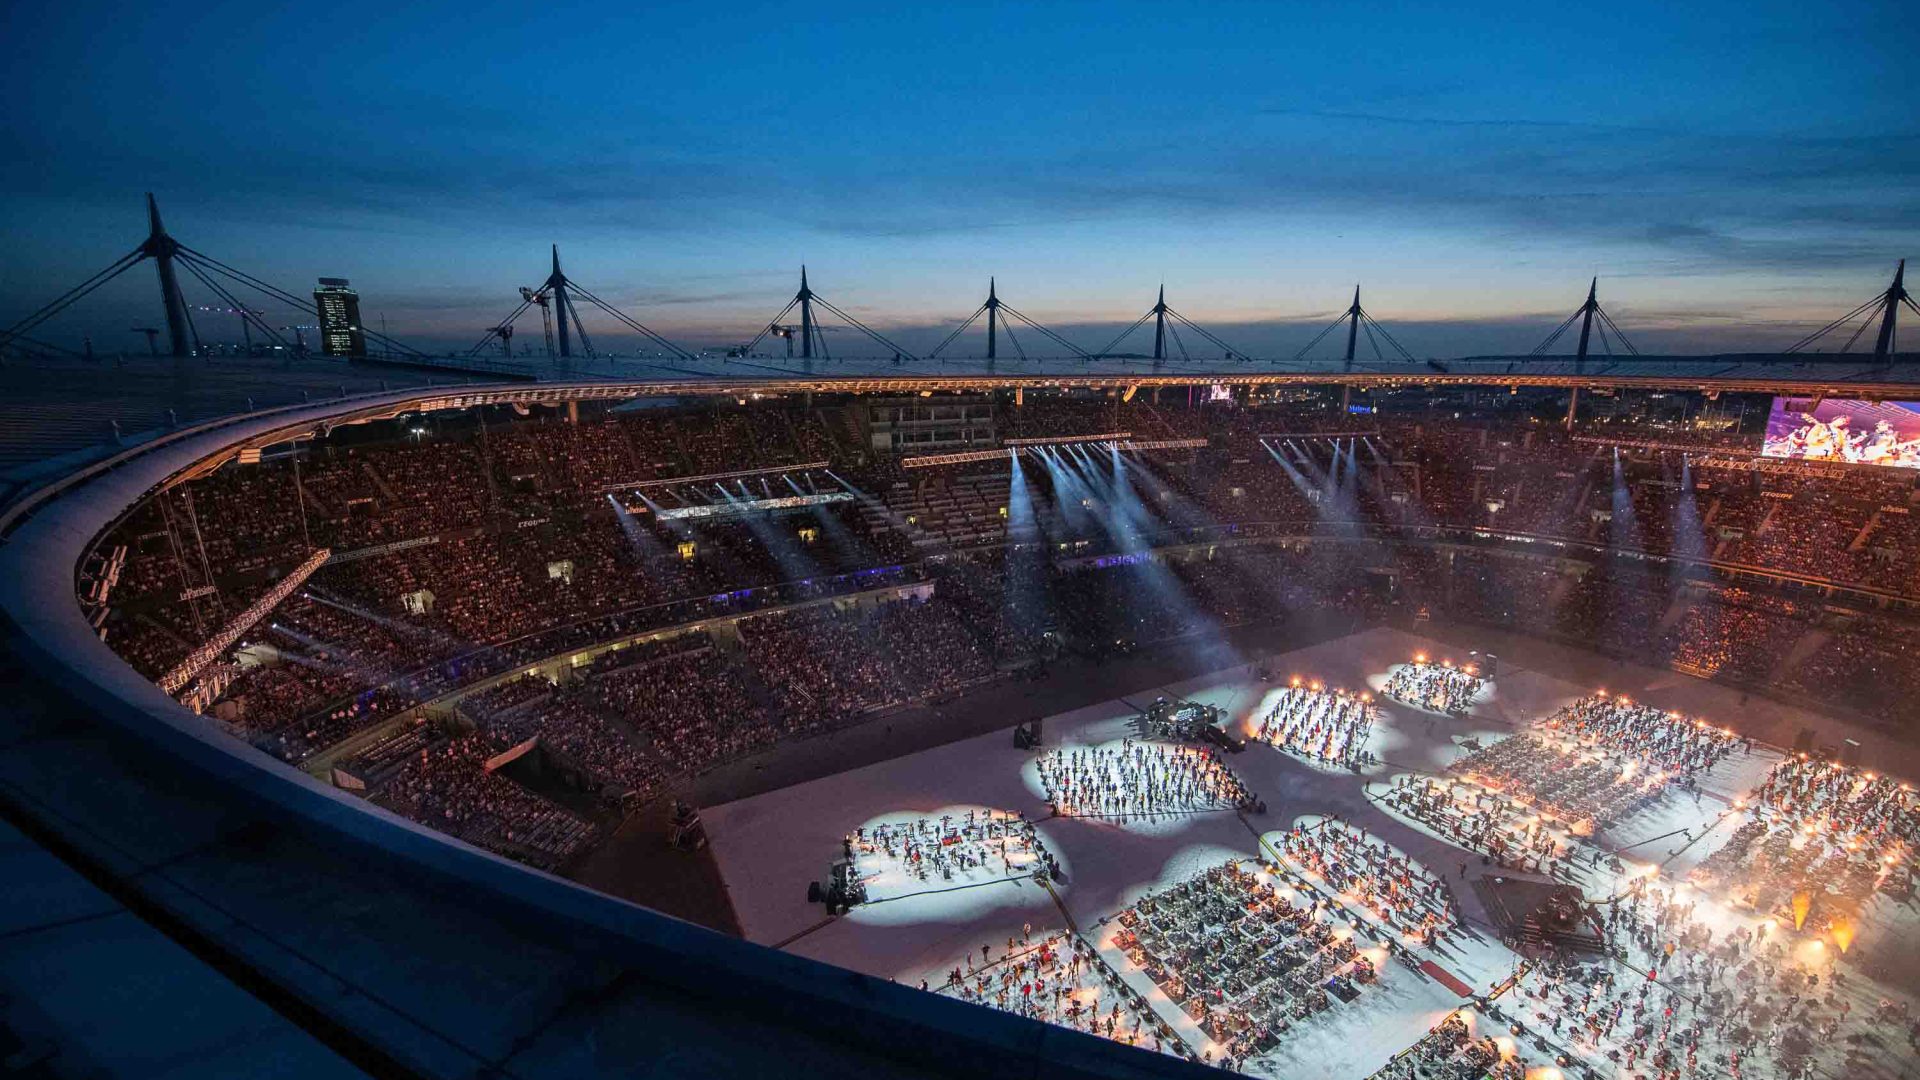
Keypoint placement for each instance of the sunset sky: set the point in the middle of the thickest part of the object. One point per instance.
(1733, 173)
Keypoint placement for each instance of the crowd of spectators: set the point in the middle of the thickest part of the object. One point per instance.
(691, 708)
(508, 547)
(542, 472)
(448, 786)
(1738, 633)
(507, 696)
(826, 666)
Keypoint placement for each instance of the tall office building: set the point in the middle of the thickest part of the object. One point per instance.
(339, 306)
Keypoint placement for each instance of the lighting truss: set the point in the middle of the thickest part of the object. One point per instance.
(642, 485)
(928, 461)
(204, 656)
(1319, 434)
(737, 507)
(1056, 440)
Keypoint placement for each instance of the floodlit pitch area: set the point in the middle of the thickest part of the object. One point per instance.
(771, 846)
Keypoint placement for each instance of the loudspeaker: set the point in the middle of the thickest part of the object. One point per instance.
(1850, 753)
(813, 892)
(1803, 742)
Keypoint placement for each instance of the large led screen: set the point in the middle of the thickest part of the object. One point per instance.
(1838, 429)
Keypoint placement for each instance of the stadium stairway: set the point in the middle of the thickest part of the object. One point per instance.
(850, 425)
(748, 675)
(1683, 602)
(379, 482)
(1805, 646)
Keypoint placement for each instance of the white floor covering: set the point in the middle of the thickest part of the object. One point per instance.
(770, 846)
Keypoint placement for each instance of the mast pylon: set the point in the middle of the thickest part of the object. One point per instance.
(161, 248)
(1586, 324)
(557, 285)
(805, 298)
(993, 321)
(1896, 294)
(1353, 326)
(1160, 324)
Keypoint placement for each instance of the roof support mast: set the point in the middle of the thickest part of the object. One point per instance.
(812, 334)
(161, 248)
(1886, 304)
(1168, 321)
(1586, 325)
(1883, 346)
(1160, 325)
(805, 299)
(1585, 314)
(557, 285)
(993, 322)
(169, 257)
(998, 311)
(556, 296)
(1357, 319)
(1353, 327)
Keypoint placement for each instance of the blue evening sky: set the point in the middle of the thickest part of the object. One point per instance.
(1731, 171)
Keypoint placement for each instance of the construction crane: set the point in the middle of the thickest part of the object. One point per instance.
(300, 337)
(248, 316)
(788, 333)
(560, 317)
(153, 337)
(539, 296)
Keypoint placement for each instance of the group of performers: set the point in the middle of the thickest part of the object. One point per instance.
(1327, 726)
(1138, 779)
(979, 845)
(1692, 1003)
(1244, 961)
(1440, 687)
(1059, 979)
(1877, 811)
(1249, 954)
(1661, 741)
(1599, 760)
(1452, 1049)
(1482, 820)
(1834, 440)
(1398, 892)
(1821, 840)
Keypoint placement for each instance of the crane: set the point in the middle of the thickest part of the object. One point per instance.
(153, 337)
(788, 333)
(247, 317)
(539, 296)
(300, 337)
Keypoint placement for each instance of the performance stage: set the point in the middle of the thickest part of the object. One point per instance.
(771, 846)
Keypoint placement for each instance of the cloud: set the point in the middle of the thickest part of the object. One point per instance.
(1498, 123)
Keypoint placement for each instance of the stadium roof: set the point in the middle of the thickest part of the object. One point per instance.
(86, 409)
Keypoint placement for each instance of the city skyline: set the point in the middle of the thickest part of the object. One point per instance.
(1750, 180)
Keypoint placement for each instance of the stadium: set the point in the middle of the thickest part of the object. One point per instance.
(1489, 719)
